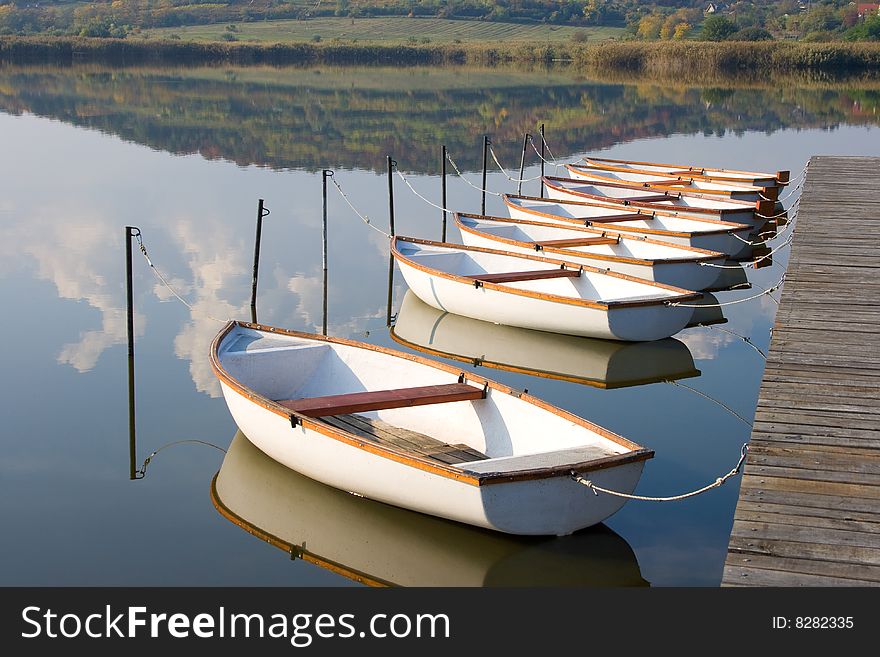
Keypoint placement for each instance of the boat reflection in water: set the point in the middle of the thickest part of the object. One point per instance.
(593, 362)
(382, 545)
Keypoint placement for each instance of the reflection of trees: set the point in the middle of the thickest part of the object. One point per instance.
(310, 118)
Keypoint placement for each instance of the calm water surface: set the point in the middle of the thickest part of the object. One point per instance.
(184, 155)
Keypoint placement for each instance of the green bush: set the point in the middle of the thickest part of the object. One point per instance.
(717, 28)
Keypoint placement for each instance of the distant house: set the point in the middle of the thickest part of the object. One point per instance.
(715, 8)
(867, 8)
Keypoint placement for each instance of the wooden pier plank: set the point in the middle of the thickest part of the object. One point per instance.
(808, 512)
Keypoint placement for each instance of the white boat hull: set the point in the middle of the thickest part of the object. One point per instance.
(743, 216)
(711, 241)
(555, 506)
(631, 323)
(687, 275)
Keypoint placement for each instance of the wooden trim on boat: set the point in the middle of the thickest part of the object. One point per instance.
(762, 207)
(672, 183)
(543, 374)
(781, 176)
(549, 247)
(636, 453)
(681, 293)
(292, 549)
(585, 222)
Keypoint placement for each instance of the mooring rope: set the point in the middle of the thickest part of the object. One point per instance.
(788, 195)
(164, 282)
(363, 217)
(141, 473)
(744, 338)
(413, 190)
(506, 174)
(544, 159)
(789, 226)
(672, 498)
(728, 303)
(752, 263)
(711, 399)
(461, 175)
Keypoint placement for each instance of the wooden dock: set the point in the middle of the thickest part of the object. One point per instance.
(809, 506)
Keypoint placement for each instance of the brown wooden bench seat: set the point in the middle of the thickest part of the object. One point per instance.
(377, 431)
(362, 402)
(533, 275)
(578, 241)
(611, 218)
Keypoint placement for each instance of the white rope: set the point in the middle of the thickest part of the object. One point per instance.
(728, 303)
(744, 338)
(412, 189)
(168, 285)
(142, 472)
(506, 174)
(789, 226)
(752, 263)
(788, 195)
(364, 218)
(547, 146)
(545, 160)
(713, 400)
(673, 498)
(461, 175)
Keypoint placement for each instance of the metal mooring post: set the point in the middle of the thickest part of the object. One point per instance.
(326, 173)
(522, 162)
(486, 144)
(443, 190)
(130, 232)
(542, 161)
(261, 212)
(391, 164)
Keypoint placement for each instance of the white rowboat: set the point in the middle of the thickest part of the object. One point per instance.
(756, 178)
(653, 260)
(708, 234)
(419, 434)
(540, 293)
(648, 180)
(635, 196)
(381, 545)
(602, 364)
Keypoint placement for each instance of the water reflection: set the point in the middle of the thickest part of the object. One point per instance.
(381, 545)
(302, 117)
(593, 362)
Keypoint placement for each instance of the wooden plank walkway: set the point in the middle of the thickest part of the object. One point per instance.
(809, 506)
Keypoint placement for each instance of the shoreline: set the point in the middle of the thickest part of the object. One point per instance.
(658, 59)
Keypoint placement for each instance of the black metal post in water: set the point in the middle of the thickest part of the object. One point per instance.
(261, 212)
(130, 232)
(542, 160)
(443, 190)
(391, 165)
(522, 162)
(326, 173)
(486, 144)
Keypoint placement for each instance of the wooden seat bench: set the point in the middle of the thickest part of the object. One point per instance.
(611, 218)
(533, 275)
(362, 402)
(380, 432)
(577, 241)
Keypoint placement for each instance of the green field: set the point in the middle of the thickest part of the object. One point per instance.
(391, 29)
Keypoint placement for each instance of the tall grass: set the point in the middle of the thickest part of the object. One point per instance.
(664, 60)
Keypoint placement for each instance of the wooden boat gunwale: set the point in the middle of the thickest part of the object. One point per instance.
(553, 182)
(726, 227)
(681, 293)
(671, 185)
(636, 453)
(782, 177)
(707, 256)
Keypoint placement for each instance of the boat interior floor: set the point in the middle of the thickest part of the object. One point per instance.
(377, 431)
